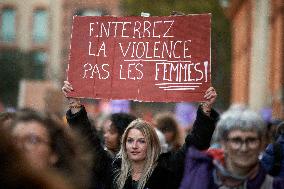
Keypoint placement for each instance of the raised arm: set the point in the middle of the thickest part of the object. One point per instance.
(77, 119)
(199, 137)
(204, 124)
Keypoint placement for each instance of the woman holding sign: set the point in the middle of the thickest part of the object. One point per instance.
(139, 164)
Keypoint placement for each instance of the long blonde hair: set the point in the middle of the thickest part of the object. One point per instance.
(153, 152)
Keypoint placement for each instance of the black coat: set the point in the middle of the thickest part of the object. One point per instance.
(161, 178)
(169, 171)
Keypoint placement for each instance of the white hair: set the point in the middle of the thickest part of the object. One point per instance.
(239, 119)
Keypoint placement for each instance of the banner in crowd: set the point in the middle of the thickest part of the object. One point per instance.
(159, 59)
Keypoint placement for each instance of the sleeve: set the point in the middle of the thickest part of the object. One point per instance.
(202, 131)
(80, 122)
(267, 159)
(102, 170)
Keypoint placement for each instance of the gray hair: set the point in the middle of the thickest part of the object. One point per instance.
(239, 119)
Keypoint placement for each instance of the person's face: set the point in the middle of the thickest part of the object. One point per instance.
(169, 135)
(111, 137)
(242, 149)
(32, 138)
(136, 146)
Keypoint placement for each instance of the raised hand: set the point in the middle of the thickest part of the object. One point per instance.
(74, 103)
(210, 98)
(67, 88)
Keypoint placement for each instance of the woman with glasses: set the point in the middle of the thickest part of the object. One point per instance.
(236, 165)
(46, 144)
(17, 173)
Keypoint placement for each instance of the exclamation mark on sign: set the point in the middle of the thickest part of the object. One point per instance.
(205, 66)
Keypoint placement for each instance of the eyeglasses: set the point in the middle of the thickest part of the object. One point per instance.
(250, 142)
(31, 141)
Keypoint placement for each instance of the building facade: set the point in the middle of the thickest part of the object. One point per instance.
(26, 26)
(42, 29)
(258, 54)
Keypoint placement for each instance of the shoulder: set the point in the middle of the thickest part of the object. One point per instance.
(161, 177)
(162, 169)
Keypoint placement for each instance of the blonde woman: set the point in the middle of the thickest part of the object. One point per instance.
(140, 165)
(139, 154)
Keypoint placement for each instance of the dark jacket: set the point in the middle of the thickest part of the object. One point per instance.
(161, 178)
(267, 159)
(101, 174)
(171, 164)
(200, 169)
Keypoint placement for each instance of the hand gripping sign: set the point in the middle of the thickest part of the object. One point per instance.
(158, 59)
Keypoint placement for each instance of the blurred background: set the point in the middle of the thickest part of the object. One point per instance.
(247, 53)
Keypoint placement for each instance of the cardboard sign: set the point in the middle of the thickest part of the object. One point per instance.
(158, 59)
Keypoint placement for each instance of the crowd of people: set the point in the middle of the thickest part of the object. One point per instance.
(39, 150)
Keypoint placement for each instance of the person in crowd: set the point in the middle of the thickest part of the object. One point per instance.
(16, 172)
(172, 162)
(113, 127)
(167, 123)
(272, 127)
(113, 130)
(48, 144)
(140, 165)
(273, 157)
(236, 165)
(216, 140)
(162, 139)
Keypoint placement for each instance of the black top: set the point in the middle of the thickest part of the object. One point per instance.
(169, 170)
(161, 178)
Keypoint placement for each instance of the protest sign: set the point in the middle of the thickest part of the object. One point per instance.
(159, 59)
